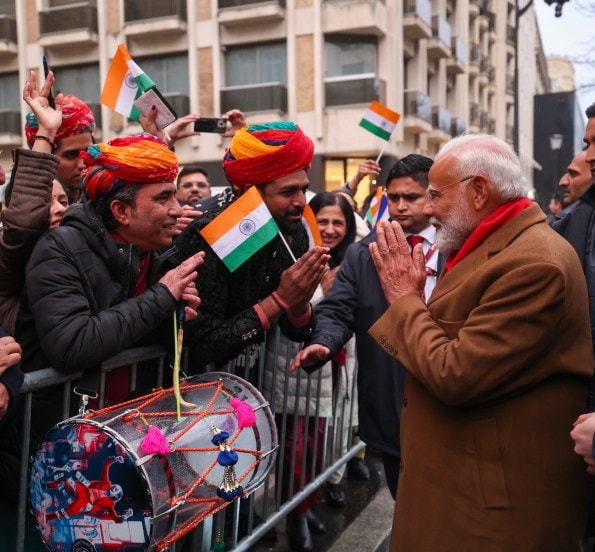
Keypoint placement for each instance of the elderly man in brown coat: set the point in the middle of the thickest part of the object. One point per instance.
(498, 363)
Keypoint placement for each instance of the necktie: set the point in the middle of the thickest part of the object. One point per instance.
(413, 241)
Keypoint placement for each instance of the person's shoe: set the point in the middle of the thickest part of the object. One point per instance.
(335, 495)
(298, 533)
(315, 523)
(358, 469)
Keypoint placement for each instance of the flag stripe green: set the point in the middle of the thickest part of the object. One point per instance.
(246, 249)
(381, 133)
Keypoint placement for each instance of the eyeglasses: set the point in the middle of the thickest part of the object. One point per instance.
(435, 195)
(197, 184)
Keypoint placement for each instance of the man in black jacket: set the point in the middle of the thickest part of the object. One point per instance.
(237, 308)
(356, 301)
(94, 286)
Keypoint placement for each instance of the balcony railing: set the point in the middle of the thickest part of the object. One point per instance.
(459, 50)
(511, 35)
(242, 3)
(441, 118)
(474, 114)
(10, 121)
(418, 104)
(441, 29)
(255, 97)
(139, 10)
(458, 126)
(354, 90)
(8, 29)
(72, 17)
(474, 53)
(419, 8)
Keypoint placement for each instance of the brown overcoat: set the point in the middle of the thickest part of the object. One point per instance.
(499, 366)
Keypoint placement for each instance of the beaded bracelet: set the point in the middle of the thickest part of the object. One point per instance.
(53, 145)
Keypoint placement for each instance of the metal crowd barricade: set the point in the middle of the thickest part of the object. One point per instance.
(246, 521)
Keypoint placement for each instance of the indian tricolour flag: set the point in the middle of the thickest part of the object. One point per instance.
(311, 226)
(241, 230)
(124, 83)
(378, 208)
(380, 120)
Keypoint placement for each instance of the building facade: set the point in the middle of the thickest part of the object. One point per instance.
(447, 66)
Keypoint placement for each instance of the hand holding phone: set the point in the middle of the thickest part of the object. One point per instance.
(211, 124)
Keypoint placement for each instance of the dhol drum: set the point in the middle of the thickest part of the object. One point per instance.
(140, 475)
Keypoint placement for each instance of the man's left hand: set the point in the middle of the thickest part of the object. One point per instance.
(582, 434)
(400, 272)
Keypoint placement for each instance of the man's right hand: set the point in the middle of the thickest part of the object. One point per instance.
(309, 356)
(179, 278)
(189, 213)
(299, 281)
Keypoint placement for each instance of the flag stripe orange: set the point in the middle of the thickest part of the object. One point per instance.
(384, 111)
(232, 215)
(115, 77)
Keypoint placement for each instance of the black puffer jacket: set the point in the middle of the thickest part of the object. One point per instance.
(79, 307)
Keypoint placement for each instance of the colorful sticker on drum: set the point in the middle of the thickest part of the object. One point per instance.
(86, 493)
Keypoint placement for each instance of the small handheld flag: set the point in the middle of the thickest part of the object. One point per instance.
(124, 83)
(380, 120)
(241, 230)
(378, 208)
(311, 226)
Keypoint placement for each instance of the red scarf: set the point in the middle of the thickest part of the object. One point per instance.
(494, 221)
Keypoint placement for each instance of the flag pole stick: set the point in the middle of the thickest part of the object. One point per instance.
(287, 245)
(381, 151)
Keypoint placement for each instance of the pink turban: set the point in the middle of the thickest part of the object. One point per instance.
(77, 118)
(263, 153)
(122, 162)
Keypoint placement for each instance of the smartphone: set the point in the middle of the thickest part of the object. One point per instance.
(211, 124)
(46, 70)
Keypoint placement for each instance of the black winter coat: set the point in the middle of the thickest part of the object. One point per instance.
(79, 308)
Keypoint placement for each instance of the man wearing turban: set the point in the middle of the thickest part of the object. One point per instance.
(95, 285)
(74, 135)
(237, 308)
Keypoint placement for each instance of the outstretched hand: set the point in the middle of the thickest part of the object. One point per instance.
(309, 356)
(399, 271)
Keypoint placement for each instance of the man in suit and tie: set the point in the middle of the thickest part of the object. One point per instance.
(356, 301)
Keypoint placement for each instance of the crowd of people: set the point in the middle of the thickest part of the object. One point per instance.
(465, 323)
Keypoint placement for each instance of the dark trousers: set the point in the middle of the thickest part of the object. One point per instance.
(391, 472)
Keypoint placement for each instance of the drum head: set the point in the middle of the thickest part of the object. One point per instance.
(87, 493)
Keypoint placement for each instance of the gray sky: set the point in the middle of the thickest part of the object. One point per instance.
(571, 35)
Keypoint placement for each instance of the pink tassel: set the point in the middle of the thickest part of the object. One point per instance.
(244, 412)
(154, 442)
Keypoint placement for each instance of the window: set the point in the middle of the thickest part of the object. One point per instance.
(7, 7)
(10, 92)
(169, 73)
(350, 55)
(82, 81)
(259, 64)
(350, 73)
(338, 171)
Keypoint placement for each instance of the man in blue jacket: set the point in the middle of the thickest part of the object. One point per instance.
(356, 301)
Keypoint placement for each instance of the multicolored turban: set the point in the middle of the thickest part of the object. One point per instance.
(77, 118)
(122, 162)
(263, 153)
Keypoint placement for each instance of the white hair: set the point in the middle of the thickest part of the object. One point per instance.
(488, 156)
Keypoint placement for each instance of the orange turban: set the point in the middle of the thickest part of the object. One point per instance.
(263, 153)
(77, 118)
(122, 162)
